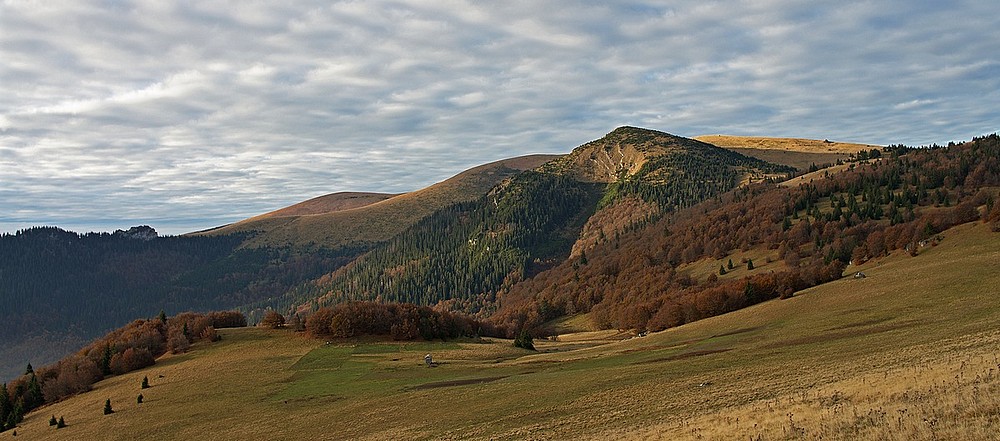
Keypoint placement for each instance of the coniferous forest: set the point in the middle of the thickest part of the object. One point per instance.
(57, 285)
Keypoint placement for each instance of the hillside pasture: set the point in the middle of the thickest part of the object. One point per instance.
(907, 353)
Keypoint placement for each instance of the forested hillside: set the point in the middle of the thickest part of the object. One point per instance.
(602, 229)
(464, 254)
(649, 278)
(60, 287)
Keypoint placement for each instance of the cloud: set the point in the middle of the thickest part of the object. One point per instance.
(196, 114)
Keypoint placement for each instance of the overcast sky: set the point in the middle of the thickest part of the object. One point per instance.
(188, 115)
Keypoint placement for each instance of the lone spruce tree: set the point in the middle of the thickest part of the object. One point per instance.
(524, 340)
(107, 407)
(145, 382)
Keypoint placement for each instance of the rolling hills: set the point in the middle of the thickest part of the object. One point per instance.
(640, 231)
(372, 218)
(906, 353)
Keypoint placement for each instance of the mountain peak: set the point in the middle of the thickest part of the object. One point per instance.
(620, 153)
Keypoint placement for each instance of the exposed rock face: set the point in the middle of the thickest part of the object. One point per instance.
(142, 232)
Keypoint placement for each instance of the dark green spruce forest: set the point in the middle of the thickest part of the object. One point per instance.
(59, 286)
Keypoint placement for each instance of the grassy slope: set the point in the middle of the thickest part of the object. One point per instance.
(909, 352)
(786, 144)
(795, 152)
(381, 220)
(327, 204)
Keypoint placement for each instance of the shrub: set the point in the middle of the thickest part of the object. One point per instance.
(210, 334)
(228, 319)
(272, 319)
(130, 360)
(178, 343)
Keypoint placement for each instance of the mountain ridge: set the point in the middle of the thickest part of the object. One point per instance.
(379, 220)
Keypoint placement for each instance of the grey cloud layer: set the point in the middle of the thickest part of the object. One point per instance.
(190, 114)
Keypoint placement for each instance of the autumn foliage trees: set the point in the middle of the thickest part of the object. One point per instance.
(123, 350)
(899, 202)
(400, 321)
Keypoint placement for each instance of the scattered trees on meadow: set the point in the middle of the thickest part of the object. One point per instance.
(126, 349)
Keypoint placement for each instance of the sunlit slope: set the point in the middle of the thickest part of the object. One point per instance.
(379, 221)
(326, 204)
(872, 358)
(796, 152)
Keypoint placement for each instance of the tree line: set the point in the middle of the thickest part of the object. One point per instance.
(399, 321)
(57, 282)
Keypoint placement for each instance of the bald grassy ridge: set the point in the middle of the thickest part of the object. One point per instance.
(379, 220)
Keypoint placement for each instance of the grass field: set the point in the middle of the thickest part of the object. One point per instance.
(910, 352)
(786, 144)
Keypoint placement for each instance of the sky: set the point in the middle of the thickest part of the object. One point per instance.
(188, 115)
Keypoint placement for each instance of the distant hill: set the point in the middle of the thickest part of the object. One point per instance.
(371, 220)
(326, 204)
(60, 288)
(795, 152)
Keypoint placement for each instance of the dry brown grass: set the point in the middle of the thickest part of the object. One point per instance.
(799, 160)
(945, 390)
(785, 144)
(816, 175)
(327, 204)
